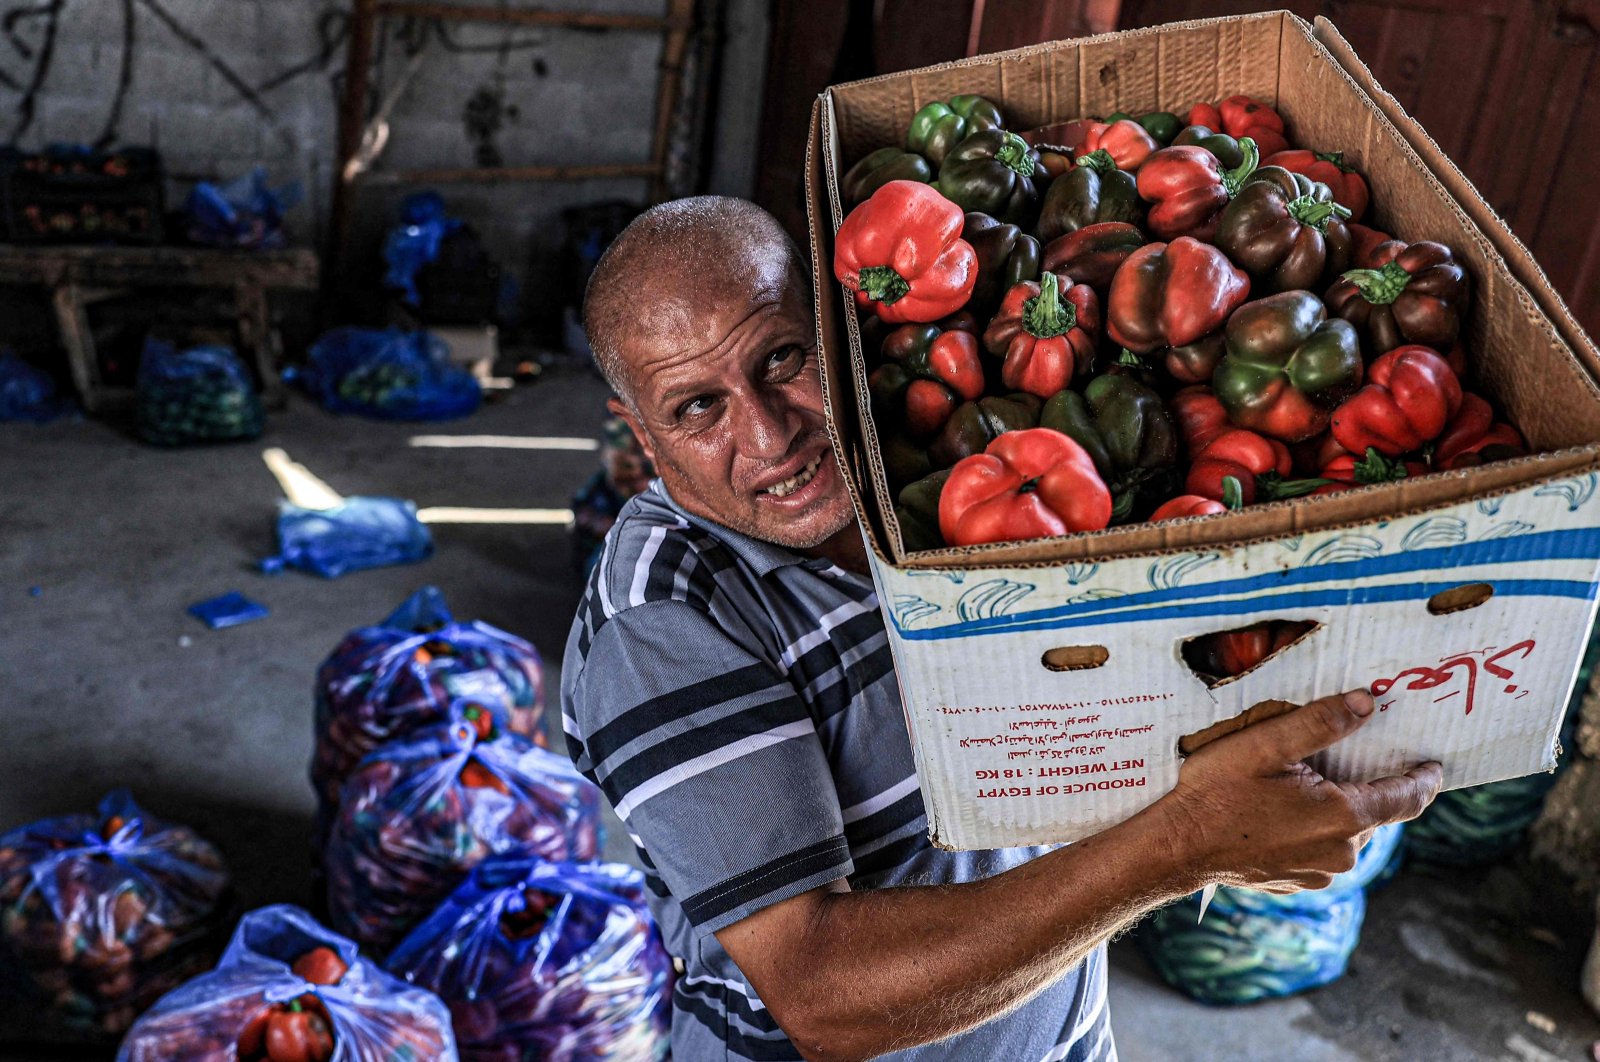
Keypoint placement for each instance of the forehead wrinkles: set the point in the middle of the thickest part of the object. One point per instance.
(676, 361)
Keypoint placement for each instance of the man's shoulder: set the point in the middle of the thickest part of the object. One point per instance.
(653, 553)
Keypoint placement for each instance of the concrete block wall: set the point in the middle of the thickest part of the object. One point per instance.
(222, 85)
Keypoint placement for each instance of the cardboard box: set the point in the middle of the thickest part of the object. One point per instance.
(1012, 750)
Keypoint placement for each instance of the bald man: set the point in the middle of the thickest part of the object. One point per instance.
(728, 684)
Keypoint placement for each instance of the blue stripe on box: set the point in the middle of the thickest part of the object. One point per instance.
(1362, 595)
(1578, 543)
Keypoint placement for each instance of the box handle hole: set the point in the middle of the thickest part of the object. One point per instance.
(1222, 656)
(1459, 598)
(1075, 657)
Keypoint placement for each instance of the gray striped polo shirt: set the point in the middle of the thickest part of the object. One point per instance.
(738, 705)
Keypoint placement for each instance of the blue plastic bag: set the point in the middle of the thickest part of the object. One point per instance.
(420, 812)
(385, 681)
(373, 1016)
(203, 394)
(26, 393)
(390, 374)
(101, 913)
(555, 961)
(1257, 945)
(415, 242)
(361, 533)
(243, 212)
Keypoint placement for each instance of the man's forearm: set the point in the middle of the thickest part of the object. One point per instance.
(892, 968)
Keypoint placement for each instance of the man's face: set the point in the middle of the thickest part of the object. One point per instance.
(728, 404)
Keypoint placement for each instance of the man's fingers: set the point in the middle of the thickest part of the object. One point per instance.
(1310, 728)
(1397, 798)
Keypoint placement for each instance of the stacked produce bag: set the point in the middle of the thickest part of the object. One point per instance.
(287, 990)
(421, 811)
(389, 679)
(427, 760)
(549, 962)
(1146, 318)
(101, 913)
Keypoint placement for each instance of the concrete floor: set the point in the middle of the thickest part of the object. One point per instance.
(108, 682)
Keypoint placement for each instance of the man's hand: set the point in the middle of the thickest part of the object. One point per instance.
(851, 975)
(1250, 812)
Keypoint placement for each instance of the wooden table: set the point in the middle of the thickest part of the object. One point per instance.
(81, 275)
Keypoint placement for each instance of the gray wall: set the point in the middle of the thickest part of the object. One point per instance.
(220, 85)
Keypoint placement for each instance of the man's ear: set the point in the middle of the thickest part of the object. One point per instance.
(619, 408)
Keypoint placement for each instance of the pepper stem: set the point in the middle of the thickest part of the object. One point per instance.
(1272, 487)
(1309, 210)
(1335, 157)
(1015, 153)
(1376, 468)
(1129, 360)
(883, 284)
(1233, 180)
(1099, 160)
(1029, 485)
(1380, 286)
(1232, 494)
(1047, 314)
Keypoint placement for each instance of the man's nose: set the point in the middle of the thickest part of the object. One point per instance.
(769, 425)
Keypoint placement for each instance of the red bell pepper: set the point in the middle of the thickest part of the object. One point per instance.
(1093, 254)
(1205, 114)
(1364, 242)
(1258, 463)
(1246, 116)
(1046, 333)
(1327, 167)
(1126, 141)
(1171, 294)
(902, 255)
(1196, 363)
(1473, 437)
(1192, 505)
(1373, 468)
(1187, 188)
(296, 1031)
(1415, 294)
(1410, 396)
(948, 355)
(1199, 417)
(320, 966)
(1034, 483)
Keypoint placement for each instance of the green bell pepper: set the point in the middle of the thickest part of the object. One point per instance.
(1287, 366)
(1091, 193)
(1125, 429)
(917, 510)
(1223, 146)
(940, 126)
(974, 425)
(1006, 256)
(1286, 231)
(991, 172)
(878, 169)
(904, 461)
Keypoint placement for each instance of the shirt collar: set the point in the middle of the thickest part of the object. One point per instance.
(763, 557)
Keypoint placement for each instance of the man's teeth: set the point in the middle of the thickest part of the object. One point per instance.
(796, 481)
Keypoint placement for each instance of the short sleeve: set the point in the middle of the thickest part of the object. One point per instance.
(710, 757)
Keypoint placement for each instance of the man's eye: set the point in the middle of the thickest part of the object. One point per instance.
(695, 407)
(785, 362)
